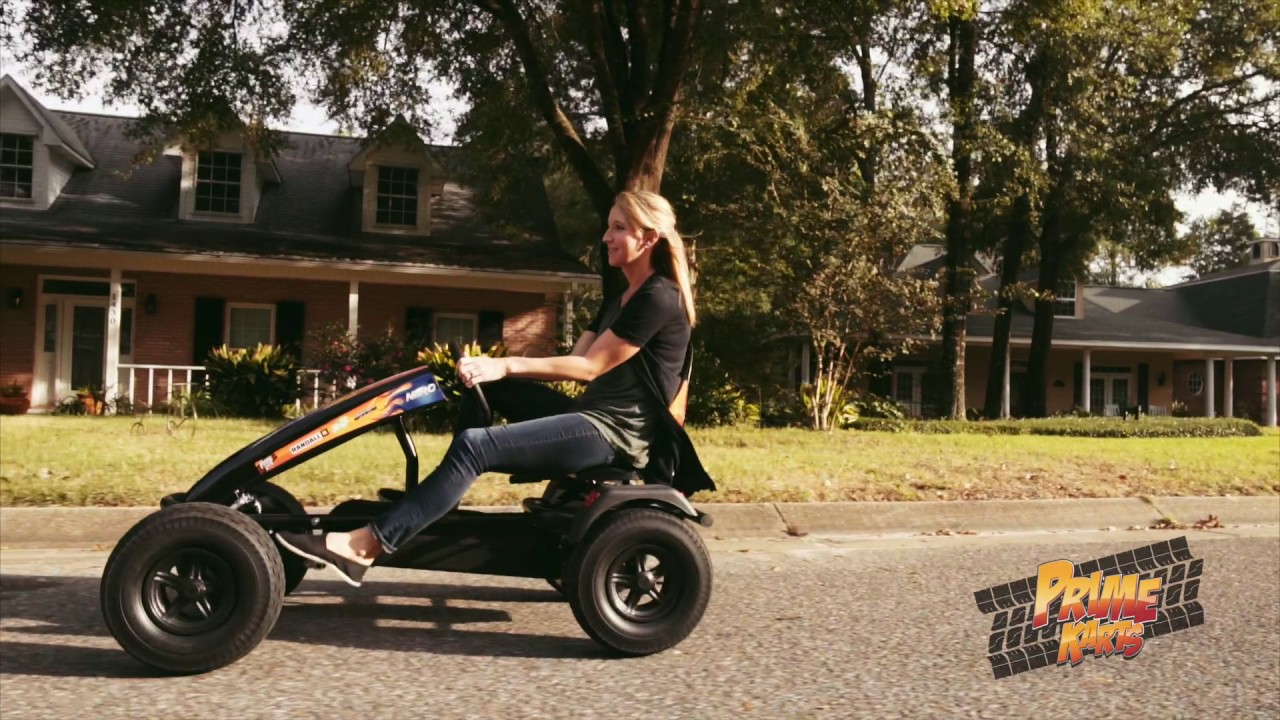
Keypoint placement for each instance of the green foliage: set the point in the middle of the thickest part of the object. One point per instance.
(714, 399)
(1219, 242)
(258, 382)
(443, 363)
(348, 363)
(1094, 427)
(870, 405)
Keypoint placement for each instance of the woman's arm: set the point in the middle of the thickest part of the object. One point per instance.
(602, 355)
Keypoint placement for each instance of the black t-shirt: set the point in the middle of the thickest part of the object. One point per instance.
(619, 402)
(653, 319)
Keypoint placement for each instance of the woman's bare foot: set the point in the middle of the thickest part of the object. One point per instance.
(358, 546)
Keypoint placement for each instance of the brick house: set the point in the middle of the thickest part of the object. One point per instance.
(1208, 345)
(124, 275)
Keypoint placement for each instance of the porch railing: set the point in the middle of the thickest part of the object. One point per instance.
(164, 381)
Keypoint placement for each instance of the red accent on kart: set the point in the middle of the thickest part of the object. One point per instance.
(591, 498)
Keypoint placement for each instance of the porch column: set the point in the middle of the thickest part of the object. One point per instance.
(1004, 389)
(1208, 387)
(1228, 389)
(1086, 379)
(111, 369)
(353, 308)
(1271, 391)
(804, 364)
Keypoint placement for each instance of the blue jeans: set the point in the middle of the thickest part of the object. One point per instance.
(559, 443)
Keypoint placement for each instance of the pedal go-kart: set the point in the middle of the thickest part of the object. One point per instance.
(198, 584)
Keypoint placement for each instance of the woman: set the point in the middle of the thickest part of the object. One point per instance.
(636, 344)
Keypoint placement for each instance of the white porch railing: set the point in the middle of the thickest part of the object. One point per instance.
(164, 380)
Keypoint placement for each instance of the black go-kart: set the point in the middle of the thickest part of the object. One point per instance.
(199, 583)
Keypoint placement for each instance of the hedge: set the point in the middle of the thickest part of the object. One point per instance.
(1147, 427)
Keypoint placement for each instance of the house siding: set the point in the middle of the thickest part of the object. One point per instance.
(1060, 393)
(167, 336)
(17, 325)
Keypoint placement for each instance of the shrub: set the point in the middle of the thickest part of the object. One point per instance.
(348, 363)
(257, 382)
(714, 399)
(870, 405)
(1147, 427)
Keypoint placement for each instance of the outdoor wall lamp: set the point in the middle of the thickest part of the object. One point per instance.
(1160, 379)
(15, 298)
(150, 304)
(1059, 383)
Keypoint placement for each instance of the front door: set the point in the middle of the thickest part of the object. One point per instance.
(71, 347)
(87, 359)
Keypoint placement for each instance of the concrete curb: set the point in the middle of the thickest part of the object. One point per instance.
(56, 527)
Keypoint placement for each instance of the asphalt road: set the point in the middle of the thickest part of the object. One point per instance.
(797, 628)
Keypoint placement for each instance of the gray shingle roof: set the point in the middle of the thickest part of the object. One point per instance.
(1236, 308)
(313, 213)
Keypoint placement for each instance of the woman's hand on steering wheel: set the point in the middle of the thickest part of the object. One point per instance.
(481, 369)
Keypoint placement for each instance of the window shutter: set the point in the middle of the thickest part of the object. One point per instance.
(489, 330)
(1077, 382)
(291, 325)
(210, 314)
(1144, 374)
(418, 327)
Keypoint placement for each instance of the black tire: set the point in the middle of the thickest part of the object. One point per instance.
(640, 581)
(192, 588)
(275, 499)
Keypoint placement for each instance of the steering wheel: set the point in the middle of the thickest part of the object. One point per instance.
(474, 392)
(477, 395)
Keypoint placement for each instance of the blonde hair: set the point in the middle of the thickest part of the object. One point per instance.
(650, 211)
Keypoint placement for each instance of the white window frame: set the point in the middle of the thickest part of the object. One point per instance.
(1075, 300)
(1108, 389)
(238, 182)
(416, 197)
(915, 406)
(473, 317)
(31, 186)
(226, 320)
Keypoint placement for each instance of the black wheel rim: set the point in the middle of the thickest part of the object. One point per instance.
(643, 584)
(189, 591)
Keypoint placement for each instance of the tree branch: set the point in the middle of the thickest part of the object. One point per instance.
(610, 74)
(597, 186)
(641, 72)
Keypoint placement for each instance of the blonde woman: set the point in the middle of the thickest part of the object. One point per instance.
(632, 358)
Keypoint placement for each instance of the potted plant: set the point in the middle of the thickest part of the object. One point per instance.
(14, 399)
(93, 399)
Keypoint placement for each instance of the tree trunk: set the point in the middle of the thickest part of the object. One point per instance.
(958, 281)
(1035, 391)
(1015, 245)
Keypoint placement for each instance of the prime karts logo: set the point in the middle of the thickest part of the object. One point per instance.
(1105, 607)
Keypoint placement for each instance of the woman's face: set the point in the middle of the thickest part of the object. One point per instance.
(625, 242)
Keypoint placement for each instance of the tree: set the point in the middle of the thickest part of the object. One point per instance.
(602, 78)
(813, 185)
(1220, 242)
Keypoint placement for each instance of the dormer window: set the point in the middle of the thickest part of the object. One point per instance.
(218, 182)
(17, 166)
(397, 196)
(1064, 303)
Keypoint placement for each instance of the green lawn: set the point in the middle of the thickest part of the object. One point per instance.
(110, 461)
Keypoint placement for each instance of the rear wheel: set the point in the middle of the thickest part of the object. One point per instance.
(640, 581)
(192, 588)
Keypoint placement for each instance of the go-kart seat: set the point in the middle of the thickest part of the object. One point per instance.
(563, 486)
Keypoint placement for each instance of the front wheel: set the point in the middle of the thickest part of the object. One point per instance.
(272, 498)
(192, 588)
(640, 582)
